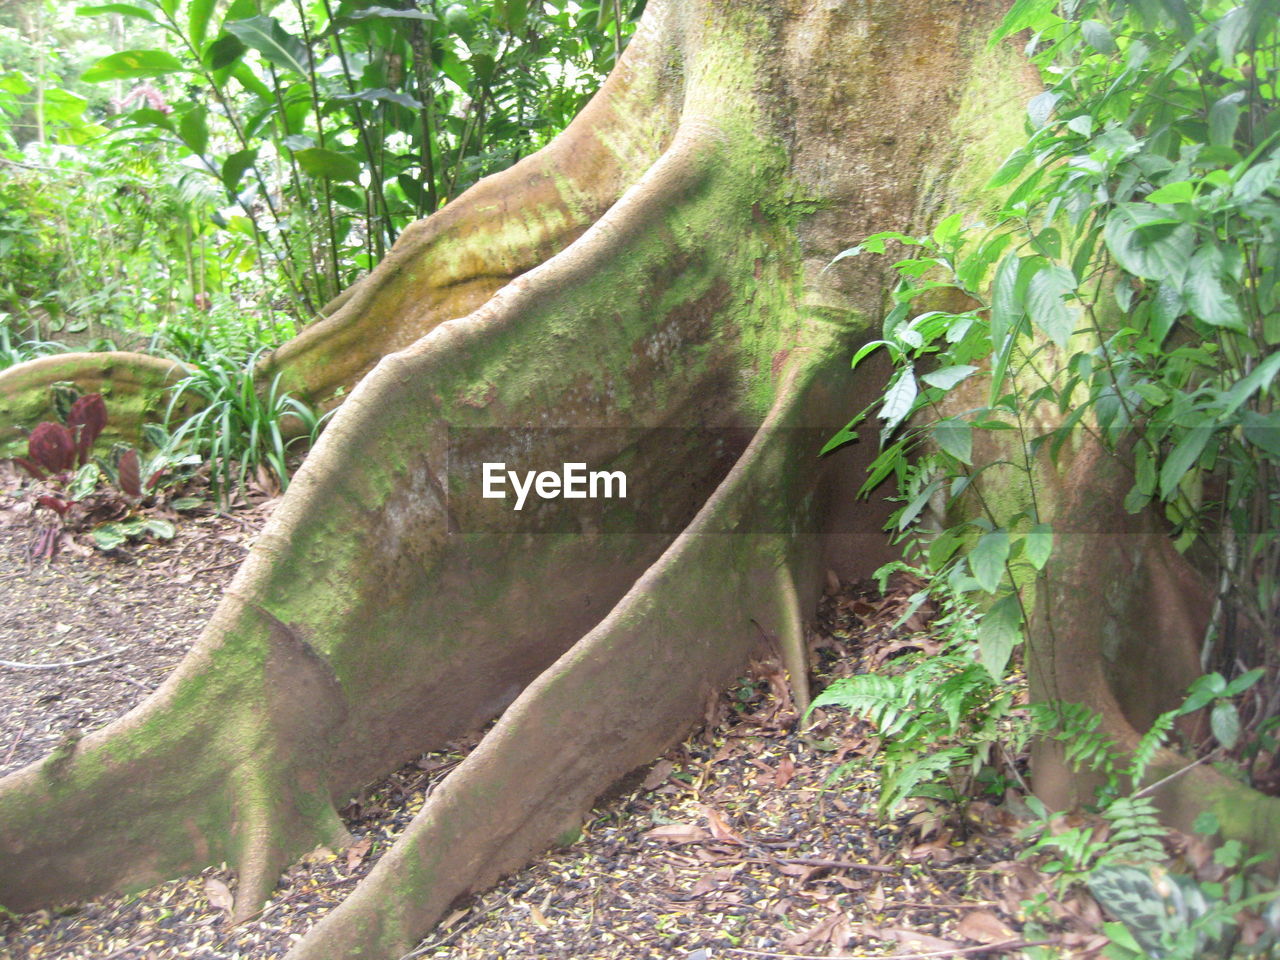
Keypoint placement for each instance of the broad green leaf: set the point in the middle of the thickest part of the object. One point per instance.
(1205, 294)
(1098, 37)
(1182, 191)
(1183, 456)
(846, 434)
(327, 163)
(224, 51)
(898, 401)
(1147, 242)
(1259, 378)
(944, 378)
(1224, 721)
(271, 40)
(160, 529)
(999, 631)
(381, 95)
(234, 167)
(85, 481)
(198, 14)
(388, 13)
(1262, 431)
(1045, 304)
(955, 437)
(1006, 308)
(1231, 30)
(125, 9)
(193, 128)
(130, 64)
(1038, 545)
(1224, 116)
(987, 559)
(1013, 165)
(109, 536)
(912, 510)
(1034, 14)
(1256, 181)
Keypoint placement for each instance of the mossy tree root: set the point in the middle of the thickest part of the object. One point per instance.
(1118, 626)
(286, 707)
(134, 385)
(616, 699)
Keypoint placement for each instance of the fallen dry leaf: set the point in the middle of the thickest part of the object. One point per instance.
(785, 771)
(677, 833)
(357, 852)
(984, 927)
(720, 828)
(657, 775)
(219, 895)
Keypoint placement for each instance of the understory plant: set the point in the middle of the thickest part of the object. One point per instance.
(1125, 289)
(107, 497)
(243, 428)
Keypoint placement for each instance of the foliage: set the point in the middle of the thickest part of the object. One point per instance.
(1125, 288)
(243, 428)
(942, 719)
(328, 125)
(101, 496)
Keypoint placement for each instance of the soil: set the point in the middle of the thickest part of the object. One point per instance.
(738, 843)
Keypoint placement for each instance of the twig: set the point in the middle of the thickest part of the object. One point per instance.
(1177, 773)
(15, 665)
(931, 955)
(220, 566)
(16, 743)
(422, 950)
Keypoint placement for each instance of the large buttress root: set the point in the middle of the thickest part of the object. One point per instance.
(616, 699)
(284, 706)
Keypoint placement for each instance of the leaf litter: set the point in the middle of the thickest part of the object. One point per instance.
(732, 845)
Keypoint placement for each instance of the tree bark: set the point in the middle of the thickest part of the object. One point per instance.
(660, 271)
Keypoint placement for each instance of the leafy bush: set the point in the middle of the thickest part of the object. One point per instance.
(240, 426)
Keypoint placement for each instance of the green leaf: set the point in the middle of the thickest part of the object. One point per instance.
(1098, 37)
(1013, 165)
(234, 167)
(327, 163)
(1262, 431)
(280, 47)
(1224, 721)
(1148, 242)
(1181, 191)
(898, 401)
(955, 437)
(388, 13)
(1006, 307)
(944, 378)
(1045, 304)
(987, 559)
(130, 64)
(999, 631)
(198, 14)
(1038, 545)
(1205, 294)
(1259, 378)
(1224, 116)
(1231, 30)
(224, 51)
(109, 536)
(1256, 181)
(1184, 455)
(160, 529)
(381, 95)
(912, 510)
(125, 9)
(1024, 14)
(846, 434)
(85, 481)
(193, 128)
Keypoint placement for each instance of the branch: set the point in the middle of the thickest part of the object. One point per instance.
(15, 665)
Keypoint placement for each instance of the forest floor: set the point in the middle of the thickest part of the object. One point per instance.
(737, 843)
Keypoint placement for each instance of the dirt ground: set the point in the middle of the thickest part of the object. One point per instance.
(737, 843)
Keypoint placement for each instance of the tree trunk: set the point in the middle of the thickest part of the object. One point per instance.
(649, 294)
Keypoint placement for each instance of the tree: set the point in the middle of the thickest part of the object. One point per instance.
(659, 270)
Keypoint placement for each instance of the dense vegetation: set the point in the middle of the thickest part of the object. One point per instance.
(193, 176)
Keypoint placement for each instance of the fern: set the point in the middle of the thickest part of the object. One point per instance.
(905, 781)
(1146, 749)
